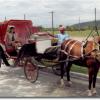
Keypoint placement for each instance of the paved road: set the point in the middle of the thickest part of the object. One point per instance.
(14, 84)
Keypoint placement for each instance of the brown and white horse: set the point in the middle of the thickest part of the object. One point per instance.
(76, 53)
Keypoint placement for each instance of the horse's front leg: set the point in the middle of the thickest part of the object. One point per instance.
(68, 67)
(94, 84)
(62, 74)
(90, 81)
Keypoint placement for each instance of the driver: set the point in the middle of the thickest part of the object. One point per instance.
(62, 35)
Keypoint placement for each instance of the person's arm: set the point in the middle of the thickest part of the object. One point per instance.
(51, 34)
(7, 39)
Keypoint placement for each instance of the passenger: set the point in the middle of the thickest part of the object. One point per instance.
(10, 36)
(62, 35)
(11, 40)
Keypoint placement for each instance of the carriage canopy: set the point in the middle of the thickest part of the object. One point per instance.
(23, 29)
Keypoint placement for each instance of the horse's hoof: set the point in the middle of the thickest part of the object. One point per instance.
(94, 91)
(62, 83)
(69, 82)
(89, 93)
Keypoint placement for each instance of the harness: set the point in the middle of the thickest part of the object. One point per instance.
(68, 53)
(97, 51)
(83, 54)
(73, 58)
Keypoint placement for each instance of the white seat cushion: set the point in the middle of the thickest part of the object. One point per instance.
(42, 45)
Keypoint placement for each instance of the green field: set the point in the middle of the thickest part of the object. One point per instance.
(77, 33)
(80, 69)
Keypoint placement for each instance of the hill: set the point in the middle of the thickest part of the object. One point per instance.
(85, 25)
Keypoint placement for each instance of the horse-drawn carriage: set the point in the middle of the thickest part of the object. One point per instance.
(39, 51)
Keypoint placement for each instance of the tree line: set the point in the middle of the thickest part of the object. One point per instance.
(67, 28)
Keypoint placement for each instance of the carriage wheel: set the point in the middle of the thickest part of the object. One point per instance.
(31, 71)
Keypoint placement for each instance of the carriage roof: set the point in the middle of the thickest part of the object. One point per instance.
(23, 28)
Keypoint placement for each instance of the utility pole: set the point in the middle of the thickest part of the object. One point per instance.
(79, 25)
(96, 29)
(95, 16)
(5, 18)
(52, 16)
(24, 16)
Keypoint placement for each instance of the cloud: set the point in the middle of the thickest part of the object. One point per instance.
(66, 12)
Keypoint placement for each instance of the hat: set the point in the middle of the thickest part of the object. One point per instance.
(61, 28)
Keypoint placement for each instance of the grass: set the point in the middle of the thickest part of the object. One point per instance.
(80, 69)
(77, 33)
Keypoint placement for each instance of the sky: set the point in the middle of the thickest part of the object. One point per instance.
(66, 12)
